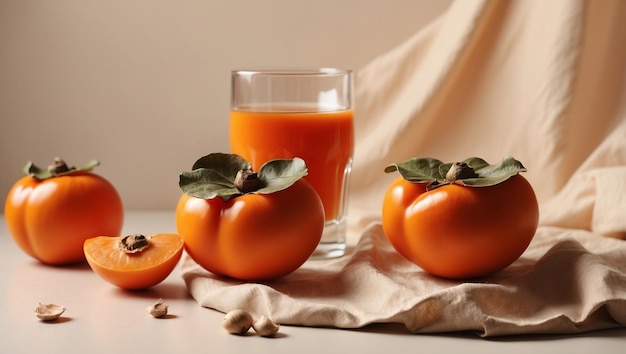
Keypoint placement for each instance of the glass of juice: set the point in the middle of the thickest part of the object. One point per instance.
(306, 113)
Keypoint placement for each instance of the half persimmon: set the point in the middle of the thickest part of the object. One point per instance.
(134, 261)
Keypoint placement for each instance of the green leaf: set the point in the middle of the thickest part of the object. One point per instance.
(418, 170)
(205, 183)
(280, 174)
(225, 164)
(433, 171)
(214, 176)
(476, 163)
(30, 169)
(490, 175)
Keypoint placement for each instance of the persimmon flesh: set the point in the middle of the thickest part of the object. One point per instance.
(139, 270)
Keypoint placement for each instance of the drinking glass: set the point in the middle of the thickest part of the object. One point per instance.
(306, 113)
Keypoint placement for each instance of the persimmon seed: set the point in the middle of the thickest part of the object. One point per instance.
(134, 243)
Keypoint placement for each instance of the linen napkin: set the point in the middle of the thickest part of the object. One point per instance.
(568, 281)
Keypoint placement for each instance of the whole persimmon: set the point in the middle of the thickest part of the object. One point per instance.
(51, 212)
(247, 225)
(460, 220)
(136, 261)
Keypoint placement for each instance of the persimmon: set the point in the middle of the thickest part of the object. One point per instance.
(460, 220)
(247, 225)
(134, 261)
(51, 212)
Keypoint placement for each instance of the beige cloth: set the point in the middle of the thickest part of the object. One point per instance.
(543, 81)
(567, 282)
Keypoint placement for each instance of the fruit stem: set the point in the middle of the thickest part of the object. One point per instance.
(460, 170)
(58, 166)
(248, 181)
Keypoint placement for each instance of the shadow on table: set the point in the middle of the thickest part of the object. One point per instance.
(400, 329)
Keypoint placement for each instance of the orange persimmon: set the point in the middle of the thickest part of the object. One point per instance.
(134, 261)
(51, 212)
(249, 226)
(461, 220)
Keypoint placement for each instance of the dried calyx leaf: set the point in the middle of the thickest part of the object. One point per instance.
(48, 312)
(473, 172)
(57, 168)
(228, 176)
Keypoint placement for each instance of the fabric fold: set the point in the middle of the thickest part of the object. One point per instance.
(542, 292)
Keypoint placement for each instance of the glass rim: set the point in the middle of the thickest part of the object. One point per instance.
(279, 71)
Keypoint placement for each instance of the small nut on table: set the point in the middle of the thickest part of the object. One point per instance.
(265, 327)
(49, 312)
(158, 309)
(237, 321)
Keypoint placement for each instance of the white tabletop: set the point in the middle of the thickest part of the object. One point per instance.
(103, 319)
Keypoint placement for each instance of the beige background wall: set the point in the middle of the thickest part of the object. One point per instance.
(143, 86)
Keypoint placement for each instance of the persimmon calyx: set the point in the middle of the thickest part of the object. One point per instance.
(472, 172)
(57, 168)
(247, 181)
(133, 243)
(229, 176)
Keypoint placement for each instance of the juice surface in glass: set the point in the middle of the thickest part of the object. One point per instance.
(324, 140)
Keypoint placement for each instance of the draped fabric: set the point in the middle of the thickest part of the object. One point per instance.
(542, 81)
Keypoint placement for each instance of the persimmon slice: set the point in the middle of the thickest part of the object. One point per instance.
(131, 267)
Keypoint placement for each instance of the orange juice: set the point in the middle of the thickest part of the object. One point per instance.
(324, 140)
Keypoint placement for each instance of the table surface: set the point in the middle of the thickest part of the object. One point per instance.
(101, 318)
